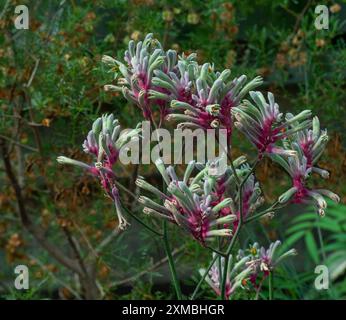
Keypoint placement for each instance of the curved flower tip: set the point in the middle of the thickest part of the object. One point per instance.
(286, 196)
(108, 60)
(123, 224)
(111, 88)
(66, 160)
(63, 159)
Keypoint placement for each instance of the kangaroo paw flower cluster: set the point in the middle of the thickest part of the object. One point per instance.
(154, 77)
(311, 143)
(213, 97)
(212, 200)
(263, 123)
(263, 261)
(245, 268)
(205, 206)
(104, 142)
(308, 145)
(142, 61)
(190, 203)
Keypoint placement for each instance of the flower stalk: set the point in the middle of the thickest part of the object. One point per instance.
(236, 235)
(205, 274)
(172, 268)
(271, 286)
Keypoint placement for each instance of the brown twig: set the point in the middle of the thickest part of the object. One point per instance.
(301, 15)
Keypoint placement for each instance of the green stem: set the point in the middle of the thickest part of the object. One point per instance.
(141, 222)
(203, 277)
(225, 267)
(236, 235)
(133, 215)
(264, 212)
(171, 262)
(271, 288)
(320, 239)
(220, 253)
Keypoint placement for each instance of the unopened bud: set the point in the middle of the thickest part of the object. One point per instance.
(287, 195)
(108, 60)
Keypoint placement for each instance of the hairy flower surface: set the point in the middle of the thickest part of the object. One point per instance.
(104, 142)
(213, 95)
(205, 205)
(191, 203)
(263, 125)
(197, 95)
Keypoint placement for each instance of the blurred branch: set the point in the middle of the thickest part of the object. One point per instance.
(291, 12)
(85, 238)
(33, 73)
(74, 248)
(41, 264)
(18, 143)
(33, 124)
(144, 272)
(301, 15)
(4, 10)
(34, 230)
(28, 101)
(107, 240)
